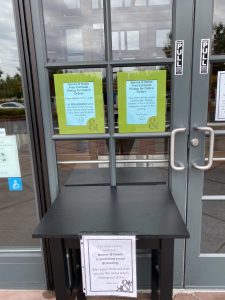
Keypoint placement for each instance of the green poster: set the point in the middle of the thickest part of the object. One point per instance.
(141, 101)
(79, 103)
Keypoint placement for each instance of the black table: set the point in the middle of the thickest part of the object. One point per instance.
(149, 212)
(125, 176)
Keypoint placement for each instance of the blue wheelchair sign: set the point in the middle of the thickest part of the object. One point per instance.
(15, 184)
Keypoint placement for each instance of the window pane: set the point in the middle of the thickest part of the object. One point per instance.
(151, 156)
(116, 3)
(159, 2)
(128, 3)
(140, 2)
(115, 40)
(162, 38)
(218, 43)
(214, 84)
(213, 227)
(122, 41)
(72, 4)
(214, 180)
(148, 30)
(95, 4)
(74, 42)
(133, 40)
(83, 162)
(18, 216)
(68, 37)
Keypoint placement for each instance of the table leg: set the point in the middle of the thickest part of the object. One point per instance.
(166, 269)
(59, 268)
(154, 275)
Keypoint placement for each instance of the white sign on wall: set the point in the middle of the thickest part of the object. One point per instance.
(109, 265)
(220, 97)
(9, 160)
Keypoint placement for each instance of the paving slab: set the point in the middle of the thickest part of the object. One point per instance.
(44, 295)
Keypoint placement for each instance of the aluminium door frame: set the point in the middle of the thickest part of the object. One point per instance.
(182, 29)
(199, 267)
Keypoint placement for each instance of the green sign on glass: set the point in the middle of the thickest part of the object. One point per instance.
(79, 103)
(141, 101)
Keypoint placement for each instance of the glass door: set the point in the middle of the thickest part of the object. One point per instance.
(205, 255)
(106, 50)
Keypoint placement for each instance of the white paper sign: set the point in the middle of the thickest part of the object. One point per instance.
(9, 160)
(220, 97)
(109, 265)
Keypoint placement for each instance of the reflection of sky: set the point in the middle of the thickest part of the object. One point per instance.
(9, 60)
(219, 11)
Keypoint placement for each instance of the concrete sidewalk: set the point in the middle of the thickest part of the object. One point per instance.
(43, 295)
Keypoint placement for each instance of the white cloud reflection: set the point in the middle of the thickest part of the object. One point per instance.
(9, 60)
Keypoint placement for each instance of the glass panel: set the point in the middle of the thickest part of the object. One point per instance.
(101, 94)
(18, 216)
(82, 152)
(147, 28)
(69, 37)
(72, 4)
(132, 40)
(140, 2)
(214, 180)
(218, 42)
(213, 227)
(159, 2)
(154, 150)
(133, 70)
(116, 3)
(128, 3)
(215, 68)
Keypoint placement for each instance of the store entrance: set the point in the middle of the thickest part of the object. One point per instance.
(116, 54)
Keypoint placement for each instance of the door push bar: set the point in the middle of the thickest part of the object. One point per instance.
(211, 148)
(180, 166)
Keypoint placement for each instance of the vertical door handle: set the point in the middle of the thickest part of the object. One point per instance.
(180, 166)
(211, 148)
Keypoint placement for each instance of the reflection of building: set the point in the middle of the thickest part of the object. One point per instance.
(75, 29)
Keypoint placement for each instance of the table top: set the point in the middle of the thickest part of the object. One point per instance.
(125, 176)
(145, 211)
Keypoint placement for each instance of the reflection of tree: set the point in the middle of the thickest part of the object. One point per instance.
(10, 86)
(168, 47)
(168, 52)
(218, 38)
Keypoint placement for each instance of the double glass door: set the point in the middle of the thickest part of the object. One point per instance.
(113, 43)
(205, 259)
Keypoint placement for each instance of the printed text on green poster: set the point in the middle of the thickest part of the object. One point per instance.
(79, 102)
(142, 101)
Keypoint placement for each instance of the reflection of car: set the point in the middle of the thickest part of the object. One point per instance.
(11, 105)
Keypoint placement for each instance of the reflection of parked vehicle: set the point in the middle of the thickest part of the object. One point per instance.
(11, 105)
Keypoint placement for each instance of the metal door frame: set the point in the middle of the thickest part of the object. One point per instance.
(182, 29)
(202, 270)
